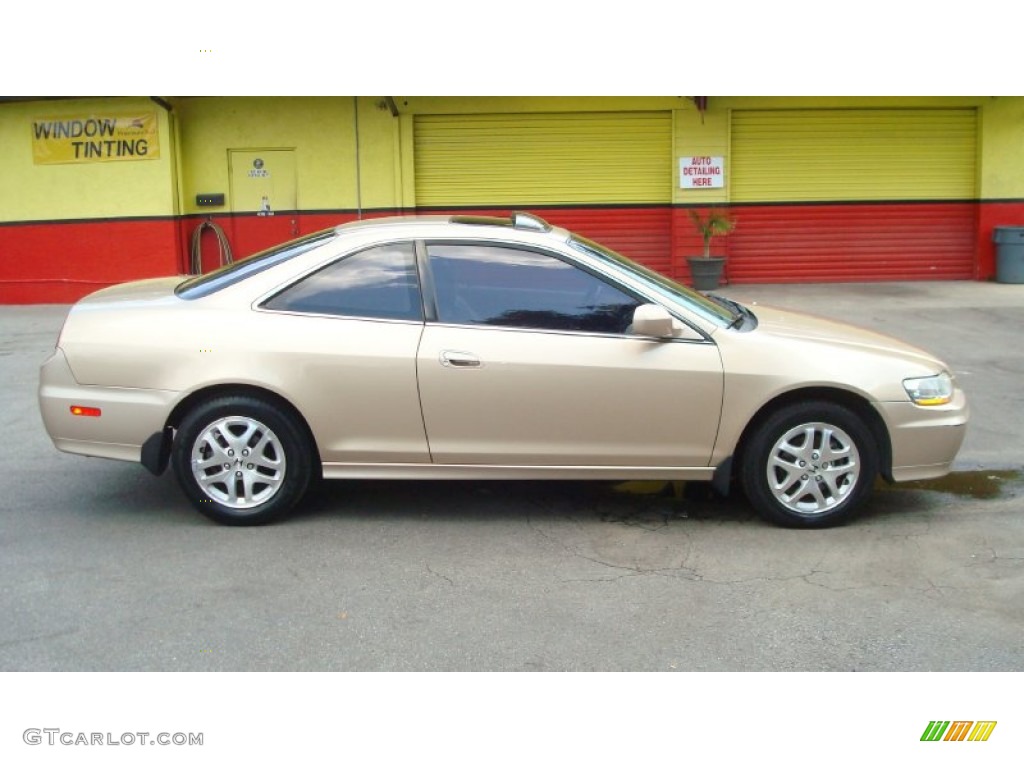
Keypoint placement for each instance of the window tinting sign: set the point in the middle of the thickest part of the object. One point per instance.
(95, 138)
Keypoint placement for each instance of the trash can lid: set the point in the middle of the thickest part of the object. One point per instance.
(1008, 234)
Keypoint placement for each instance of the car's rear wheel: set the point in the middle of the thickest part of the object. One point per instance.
(242, 460)
(810, 465)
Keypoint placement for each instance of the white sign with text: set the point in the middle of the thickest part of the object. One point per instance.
(701, 172)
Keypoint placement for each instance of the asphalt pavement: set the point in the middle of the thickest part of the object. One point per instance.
(104, 567)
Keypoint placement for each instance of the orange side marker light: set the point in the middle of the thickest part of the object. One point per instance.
(84, 410)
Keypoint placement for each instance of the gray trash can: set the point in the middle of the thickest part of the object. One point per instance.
(1009, 254)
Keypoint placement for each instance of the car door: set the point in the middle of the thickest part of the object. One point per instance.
(344, 342)
(529, 362)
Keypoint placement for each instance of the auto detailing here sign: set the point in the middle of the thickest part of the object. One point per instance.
(701, 172)
(95, 138)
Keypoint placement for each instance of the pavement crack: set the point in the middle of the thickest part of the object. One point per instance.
(575, 552)
(37, 638)
(933, 590)
(432, 572)
(991, 557)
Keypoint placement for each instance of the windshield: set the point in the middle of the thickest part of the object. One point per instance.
(702, 305)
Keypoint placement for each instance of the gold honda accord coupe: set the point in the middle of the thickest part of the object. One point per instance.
(472, 347)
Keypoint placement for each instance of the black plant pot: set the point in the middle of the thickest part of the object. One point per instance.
(706, 273)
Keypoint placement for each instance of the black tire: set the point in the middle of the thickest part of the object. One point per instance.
(259, 462)
(840, 462)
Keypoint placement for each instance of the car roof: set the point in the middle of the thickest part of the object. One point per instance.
(458, 224)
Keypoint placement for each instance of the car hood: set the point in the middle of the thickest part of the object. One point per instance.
(795, 325)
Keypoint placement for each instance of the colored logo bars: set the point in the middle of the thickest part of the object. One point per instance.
(958, 730)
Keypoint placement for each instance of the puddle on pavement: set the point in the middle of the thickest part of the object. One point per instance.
(978, 484)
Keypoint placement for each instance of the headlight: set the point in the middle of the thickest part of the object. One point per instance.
(931, 390)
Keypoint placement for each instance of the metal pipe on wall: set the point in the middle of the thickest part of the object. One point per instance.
(359, 183)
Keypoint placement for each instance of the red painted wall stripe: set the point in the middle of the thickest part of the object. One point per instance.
(867, 241)
(59, 262)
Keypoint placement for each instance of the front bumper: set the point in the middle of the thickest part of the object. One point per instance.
(129, 416)
(924, 439)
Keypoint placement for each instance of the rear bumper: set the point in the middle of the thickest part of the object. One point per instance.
(128, 416)
(924, 439)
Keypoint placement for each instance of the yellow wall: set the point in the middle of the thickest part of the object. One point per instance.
(1001, 137)
(122, 188)
(841, 102)
(454, 105)
(321, 130)
(381, 174)
(1002, 148)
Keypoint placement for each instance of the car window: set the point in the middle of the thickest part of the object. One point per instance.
(379, 283)
(707, 308)
(522, 288)
(203, 285)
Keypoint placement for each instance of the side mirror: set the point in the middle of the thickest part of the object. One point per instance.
(653, 320)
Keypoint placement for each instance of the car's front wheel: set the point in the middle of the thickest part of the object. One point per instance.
(810, 465)
(241, 460)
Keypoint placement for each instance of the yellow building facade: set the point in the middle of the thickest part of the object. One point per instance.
(97, 191)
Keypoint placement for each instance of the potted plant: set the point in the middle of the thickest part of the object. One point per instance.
(706, 270)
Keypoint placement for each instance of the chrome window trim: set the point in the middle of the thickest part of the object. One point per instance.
(552, 332)
(359, 318)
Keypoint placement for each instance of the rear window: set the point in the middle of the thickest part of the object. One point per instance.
(203, 285)
(380, 283)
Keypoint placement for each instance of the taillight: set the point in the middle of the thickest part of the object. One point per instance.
(84, 410)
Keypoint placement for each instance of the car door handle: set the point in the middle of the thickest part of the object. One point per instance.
(453, 359)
